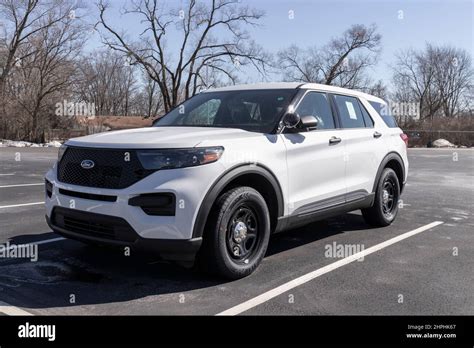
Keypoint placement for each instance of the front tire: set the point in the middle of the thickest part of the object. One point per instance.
(237, 234)
(385, 207)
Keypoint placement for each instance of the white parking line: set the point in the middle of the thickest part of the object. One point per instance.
(49, 241)
(319, 272)
(20, 205)
(21, 185)
(12, 310)
(7, 174)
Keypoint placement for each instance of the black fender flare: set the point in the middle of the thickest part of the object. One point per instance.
(223, 180)
(389, 157)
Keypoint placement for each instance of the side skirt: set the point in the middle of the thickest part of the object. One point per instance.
(305, 216)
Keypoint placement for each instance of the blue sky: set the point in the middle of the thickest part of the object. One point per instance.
(316, 21)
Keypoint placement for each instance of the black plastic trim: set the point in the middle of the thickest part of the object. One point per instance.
(335, 110)
(169, 249)
(299, 93)
(91, 196)
(390, 156)
(368, 113)
(322, 204)
(139, 173)
(155, 204)
(331, 202)
(223, 181)
(301, 219)
(48, 186)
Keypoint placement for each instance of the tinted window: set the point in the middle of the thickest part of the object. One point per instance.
(367, 119)
(349, 111)
(384, 112)
(204, 114)
(317, 105)
(252, 110)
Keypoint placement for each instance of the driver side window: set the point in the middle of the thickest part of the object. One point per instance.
(317, 104)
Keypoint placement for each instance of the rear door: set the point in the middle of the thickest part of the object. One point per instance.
(315, 158)
(364, 145)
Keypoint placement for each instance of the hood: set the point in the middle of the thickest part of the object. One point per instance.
(160, 137)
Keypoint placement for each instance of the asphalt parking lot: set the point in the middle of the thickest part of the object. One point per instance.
(426, 273)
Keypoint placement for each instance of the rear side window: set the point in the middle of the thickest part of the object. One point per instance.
(349, 112)
(384, 112)
(317, 104)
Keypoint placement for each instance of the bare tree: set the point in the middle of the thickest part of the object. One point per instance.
(469, 101)
(25, 24)
(454, 78)
(379, 89)
(212, 36)
(152, 98)
(301, 64)
(45, 73)
(436, 78)
(342, 62)
(28, 18)
(108, 80)
(414, 80)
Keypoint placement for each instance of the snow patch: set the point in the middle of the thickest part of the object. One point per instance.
(14, 143)
(442, 143)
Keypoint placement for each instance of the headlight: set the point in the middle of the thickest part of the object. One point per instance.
(61, 151)
(178, 158)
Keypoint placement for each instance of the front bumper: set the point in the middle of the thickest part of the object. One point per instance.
(121, 234)
(188, 185)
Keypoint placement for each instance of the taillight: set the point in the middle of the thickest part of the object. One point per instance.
(404, 138)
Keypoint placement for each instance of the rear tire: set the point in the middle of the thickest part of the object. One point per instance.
(237, 234)
(385, 208)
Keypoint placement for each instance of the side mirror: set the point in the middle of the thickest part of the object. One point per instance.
(309, 121)
(291, 120)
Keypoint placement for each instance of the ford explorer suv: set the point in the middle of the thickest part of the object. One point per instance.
(213, 179)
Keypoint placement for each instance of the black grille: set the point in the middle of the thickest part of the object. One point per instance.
(92, 224)
(90, 196)
(87, 227)
(111, 169)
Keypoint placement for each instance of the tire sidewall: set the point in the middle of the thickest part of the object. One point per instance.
(387, 173)
(258, 204)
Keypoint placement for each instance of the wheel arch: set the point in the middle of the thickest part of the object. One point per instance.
(253, 175)
(394, 161)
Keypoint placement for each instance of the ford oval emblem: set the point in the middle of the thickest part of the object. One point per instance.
(87, 164)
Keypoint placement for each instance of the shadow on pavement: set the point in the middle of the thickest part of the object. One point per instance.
(98, 275)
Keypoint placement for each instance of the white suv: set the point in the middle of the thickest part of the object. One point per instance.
(216, 176)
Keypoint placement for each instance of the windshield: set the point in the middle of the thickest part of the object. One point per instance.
(252, 110)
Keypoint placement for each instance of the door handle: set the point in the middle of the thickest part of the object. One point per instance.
(334, 140)
(377, 135)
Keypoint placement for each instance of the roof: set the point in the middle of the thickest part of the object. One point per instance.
(254, 86)
(294, 85)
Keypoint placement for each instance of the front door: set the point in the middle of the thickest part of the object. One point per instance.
(315, 158)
